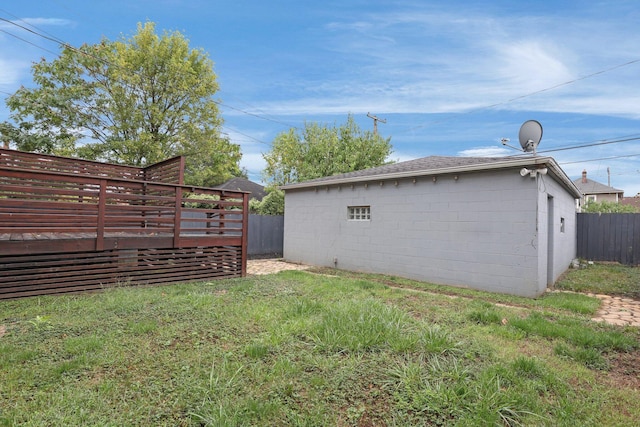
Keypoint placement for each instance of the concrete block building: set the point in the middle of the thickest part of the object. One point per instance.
(504, 225)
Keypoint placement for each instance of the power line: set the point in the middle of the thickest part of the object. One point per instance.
(67, 45)
(594, 144)
(517, 98)
(248, 136)
(47, 37)
(106, 62)
(253, 114)
(53, 38)
(58, 40)
(27, 41)
(599, 159)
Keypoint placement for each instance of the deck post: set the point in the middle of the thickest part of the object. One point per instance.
(102, 209)
(71, 225)
(181, 169)
(245, 230)
(178, 218)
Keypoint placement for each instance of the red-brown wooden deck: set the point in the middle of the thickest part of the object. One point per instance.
(68, 225)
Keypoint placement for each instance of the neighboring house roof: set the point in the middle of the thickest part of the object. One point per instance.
(242, 184)
(436, 165)
(589, 186)
(633, 201)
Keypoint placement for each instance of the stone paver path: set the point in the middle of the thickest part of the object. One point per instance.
(617, 310)
(613, 310)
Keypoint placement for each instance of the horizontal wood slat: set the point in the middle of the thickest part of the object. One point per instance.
(73, 272)
(66, 223)
(40, 162)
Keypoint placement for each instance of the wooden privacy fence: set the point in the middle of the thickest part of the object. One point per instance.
(69, 225)
(609, 237)
(266, 235)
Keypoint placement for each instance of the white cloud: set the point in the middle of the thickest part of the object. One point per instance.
(421, 61)
(11, 71)
(253, 163)
(486, 152)
(527, 66)
(42, 22)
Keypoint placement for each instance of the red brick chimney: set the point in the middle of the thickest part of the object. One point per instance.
(584, 176)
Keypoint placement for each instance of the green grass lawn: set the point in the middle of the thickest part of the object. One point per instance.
(307, 349)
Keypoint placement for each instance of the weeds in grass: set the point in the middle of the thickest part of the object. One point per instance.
(360, 326)
(611, 279)
(577, 303)
(299, 349)
(576, 332)
(527, 367)
(257, 350)
(590, 357)
(41, 322)
(435, 339)
(442, 391)
(487, 315)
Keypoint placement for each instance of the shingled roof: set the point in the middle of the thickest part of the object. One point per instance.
(434, 165)
(589, 186)
(242, 184)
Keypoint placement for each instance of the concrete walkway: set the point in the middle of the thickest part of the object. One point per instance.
(613, 310)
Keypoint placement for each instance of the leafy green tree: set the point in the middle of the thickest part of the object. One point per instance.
(134, 101)
(608, 207)
(319, 150)
(271, 204)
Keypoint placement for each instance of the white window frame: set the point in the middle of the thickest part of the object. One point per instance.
(359, 213)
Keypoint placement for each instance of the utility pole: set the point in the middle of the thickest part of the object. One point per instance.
(375, 122)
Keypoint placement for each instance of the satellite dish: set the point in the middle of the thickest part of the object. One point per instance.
(530, 135)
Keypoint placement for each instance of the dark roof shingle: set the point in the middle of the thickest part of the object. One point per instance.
(421, 164)
(594, 187)
(242, 184)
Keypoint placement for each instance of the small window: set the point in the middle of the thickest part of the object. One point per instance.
(562, 225)
(359, 213)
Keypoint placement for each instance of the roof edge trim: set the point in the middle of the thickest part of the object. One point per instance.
(548, 161)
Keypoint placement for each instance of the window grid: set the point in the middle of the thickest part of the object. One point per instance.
(359, 213)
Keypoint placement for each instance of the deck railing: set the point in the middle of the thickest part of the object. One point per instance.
(45, 202)
(59, 209)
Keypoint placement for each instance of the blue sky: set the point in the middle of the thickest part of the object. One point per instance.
(449, 77)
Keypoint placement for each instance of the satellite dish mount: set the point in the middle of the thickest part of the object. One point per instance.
(530, 136)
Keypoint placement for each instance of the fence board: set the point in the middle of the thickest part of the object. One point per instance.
(266, 234)
(609, 237)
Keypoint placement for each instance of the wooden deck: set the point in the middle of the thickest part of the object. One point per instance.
(68, 225)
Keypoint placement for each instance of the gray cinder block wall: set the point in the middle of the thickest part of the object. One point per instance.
(487, 230)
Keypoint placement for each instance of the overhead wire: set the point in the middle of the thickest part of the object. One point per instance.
(601, 158)
(58, 40)
(594, 144)
(27, 41)
(527, 95)
(53, 38)
(69, 46)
